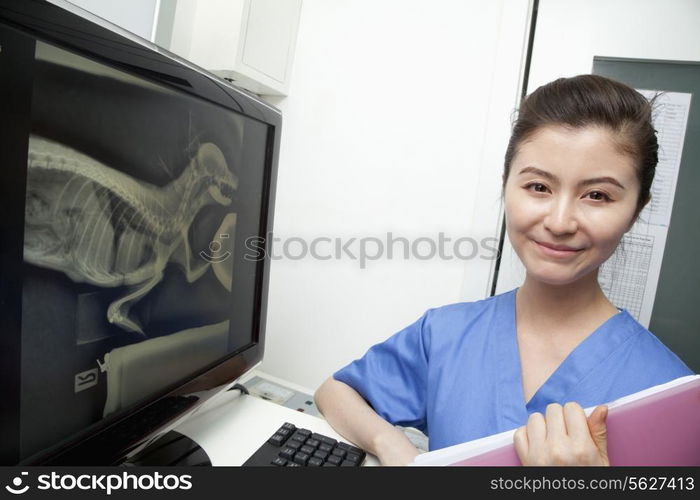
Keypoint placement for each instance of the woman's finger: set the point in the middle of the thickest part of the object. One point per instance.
(576, 423)
(597, 426)
(556, 427)
(522, 446)
(536, 434)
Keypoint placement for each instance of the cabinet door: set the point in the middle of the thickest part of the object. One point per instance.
(248, 41)
(137, 16)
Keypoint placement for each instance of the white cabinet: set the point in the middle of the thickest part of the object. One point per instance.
(249, 41)
(136, 16)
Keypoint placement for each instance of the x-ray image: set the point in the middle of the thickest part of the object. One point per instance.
(135, 194)
(100, 226)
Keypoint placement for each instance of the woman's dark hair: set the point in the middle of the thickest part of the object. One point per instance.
(592, 100)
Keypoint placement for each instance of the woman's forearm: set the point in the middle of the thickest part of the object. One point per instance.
(351, 416)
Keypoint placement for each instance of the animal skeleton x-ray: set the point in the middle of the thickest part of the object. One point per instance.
(100, 226)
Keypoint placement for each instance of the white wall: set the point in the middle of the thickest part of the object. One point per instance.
(397, 121)
(570, 32)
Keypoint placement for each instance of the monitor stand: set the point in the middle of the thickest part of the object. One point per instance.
(172, 448)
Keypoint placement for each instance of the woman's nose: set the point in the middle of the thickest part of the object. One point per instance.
(561, 218)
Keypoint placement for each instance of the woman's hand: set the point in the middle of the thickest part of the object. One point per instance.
(564, 437)
(353, 418)
(394, 448)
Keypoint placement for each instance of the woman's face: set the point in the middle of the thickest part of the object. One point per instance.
(570, 197)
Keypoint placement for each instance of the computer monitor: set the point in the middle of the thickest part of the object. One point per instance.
(133, 186)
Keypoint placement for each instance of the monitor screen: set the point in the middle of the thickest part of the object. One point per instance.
(138, 197)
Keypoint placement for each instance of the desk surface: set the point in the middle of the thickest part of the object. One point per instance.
(232, 426)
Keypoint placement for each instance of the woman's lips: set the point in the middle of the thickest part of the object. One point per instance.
(561, 251)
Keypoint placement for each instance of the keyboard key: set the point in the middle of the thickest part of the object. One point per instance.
(328, 464)
(312, 442)
(324, 439)
(353, 457)
(315, 462)
(349, 447)
(289, 426)
(292, 464)
(325, 447)
(334, 460)
(284, 432)
(301, 458)
(277, 440)
(348, 463)
(307, 449)
(298, 436)
(292, 443)
(287, 452)
(304, 432)
(279, 461)
(339, 452)
(356, 450)
(321, 454)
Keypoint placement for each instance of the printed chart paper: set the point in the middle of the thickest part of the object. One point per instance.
(630, 277)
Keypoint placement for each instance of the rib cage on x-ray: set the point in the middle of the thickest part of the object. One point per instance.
(100, 226)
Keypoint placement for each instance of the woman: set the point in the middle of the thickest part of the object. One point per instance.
(578, 171)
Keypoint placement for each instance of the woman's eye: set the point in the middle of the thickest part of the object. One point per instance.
(537, 187)
(598, 196)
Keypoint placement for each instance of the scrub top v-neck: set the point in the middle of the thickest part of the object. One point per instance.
(455, 373)
(582, 359)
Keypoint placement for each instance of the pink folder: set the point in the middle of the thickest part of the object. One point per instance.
(658, 429)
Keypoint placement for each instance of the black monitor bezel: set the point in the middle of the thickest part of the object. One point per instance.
(91, 37)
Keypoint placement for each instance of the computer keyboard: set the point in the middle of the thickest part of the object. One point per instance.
(293, 447)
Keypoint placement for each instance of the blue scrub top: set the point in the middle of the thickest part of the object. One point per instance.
(455, 373)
